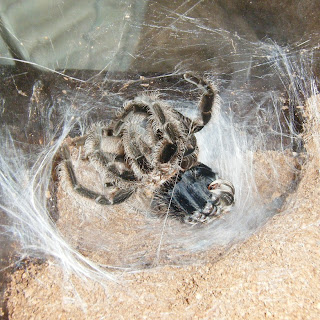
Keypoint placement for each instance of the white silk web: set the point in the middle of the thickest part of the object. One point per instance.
(119, 50)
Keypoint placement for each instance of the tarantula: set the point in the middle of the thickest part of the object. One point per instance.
(150, 148)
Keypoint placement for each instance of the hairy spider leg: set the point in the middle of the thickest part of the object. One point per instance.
(161, 126)
(119, 196)
(130, 125)
(209, 101)
(111, 164)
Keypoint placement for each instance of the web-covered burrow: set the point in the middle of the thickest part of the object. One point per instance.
(255, 141)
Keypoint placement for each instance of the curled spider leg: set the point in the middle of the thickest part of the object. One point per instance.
(118, 197)
(106, 154)
(209, 101)
(162, 127)
(130, 107)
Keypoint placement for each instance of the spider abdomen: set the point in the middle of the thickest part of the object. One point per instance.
(191, 200)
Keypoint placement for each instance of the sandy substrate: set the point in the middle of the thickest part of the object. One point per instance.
(273, 274)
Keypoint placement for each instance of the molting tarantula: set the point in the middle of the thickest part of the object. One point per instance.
(150, 149)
